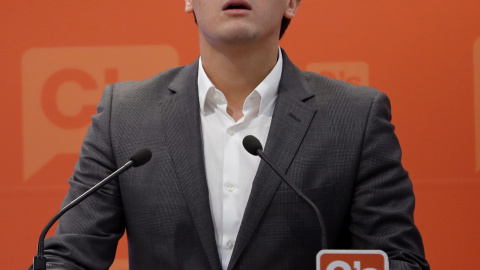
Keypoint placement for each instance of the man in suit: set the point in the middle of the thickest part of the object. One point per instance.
(203, 202)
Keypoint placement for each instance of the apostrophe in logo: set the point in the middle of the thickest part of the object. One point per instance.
(61, 87)
(476, 72)
(352, 72)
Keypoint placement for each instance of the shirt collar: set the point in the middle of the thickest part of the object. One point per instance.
(267, 89)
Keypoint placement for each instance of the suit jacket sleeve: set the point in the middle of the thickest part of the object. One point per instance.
(87, 235)
(383, 201)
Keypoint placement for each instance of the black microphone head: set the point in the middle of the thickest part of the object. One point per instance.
(252, 144)
(141, 156)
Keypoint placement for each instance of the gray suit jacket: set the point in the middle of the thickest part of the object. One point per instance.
(334, 139)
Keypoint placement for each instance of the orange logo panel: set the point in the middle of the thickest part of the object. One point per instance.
(352, 72)
(61, 87)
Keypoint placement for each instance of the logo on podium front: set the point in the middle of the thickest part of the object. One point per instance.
(352, 260)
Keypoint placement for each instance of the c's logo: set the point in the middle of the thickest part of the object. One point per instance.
(61, 87)
(352, 260)
(50, 91)
(352, 72)
(476, 72)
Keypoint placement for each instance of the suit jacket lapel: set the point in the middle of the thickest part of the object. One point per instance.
(182, 125)
(290, 122)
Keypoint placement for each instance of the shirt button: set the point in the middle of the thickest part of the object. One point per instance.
(230, 244)
(231, 132)
(230, 187)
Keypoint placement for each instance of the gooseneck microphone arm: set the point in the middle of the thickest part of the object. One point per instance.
(254, 147)
(139, 158)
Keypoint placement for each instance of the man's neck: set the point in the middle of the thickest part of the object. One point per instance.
(237, 70)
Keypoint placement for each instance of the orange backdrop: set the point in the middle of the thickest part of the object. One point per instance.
(57, 56)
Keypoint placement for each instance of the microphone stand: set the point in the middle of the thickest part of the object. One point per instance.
(40, 261)
(262, 155)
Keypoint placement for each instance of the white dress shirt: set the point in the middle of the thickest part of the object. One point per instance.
(230, 169)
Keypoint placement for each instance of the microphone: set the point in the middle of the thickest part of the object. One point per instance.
(326, 259)
(254, 147)
(138, 158)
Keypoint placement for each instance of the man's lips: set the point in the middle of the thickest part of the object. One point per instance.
(236, 5)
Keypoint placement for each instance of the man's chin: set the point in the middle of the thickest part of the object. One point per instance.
(237, 34)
